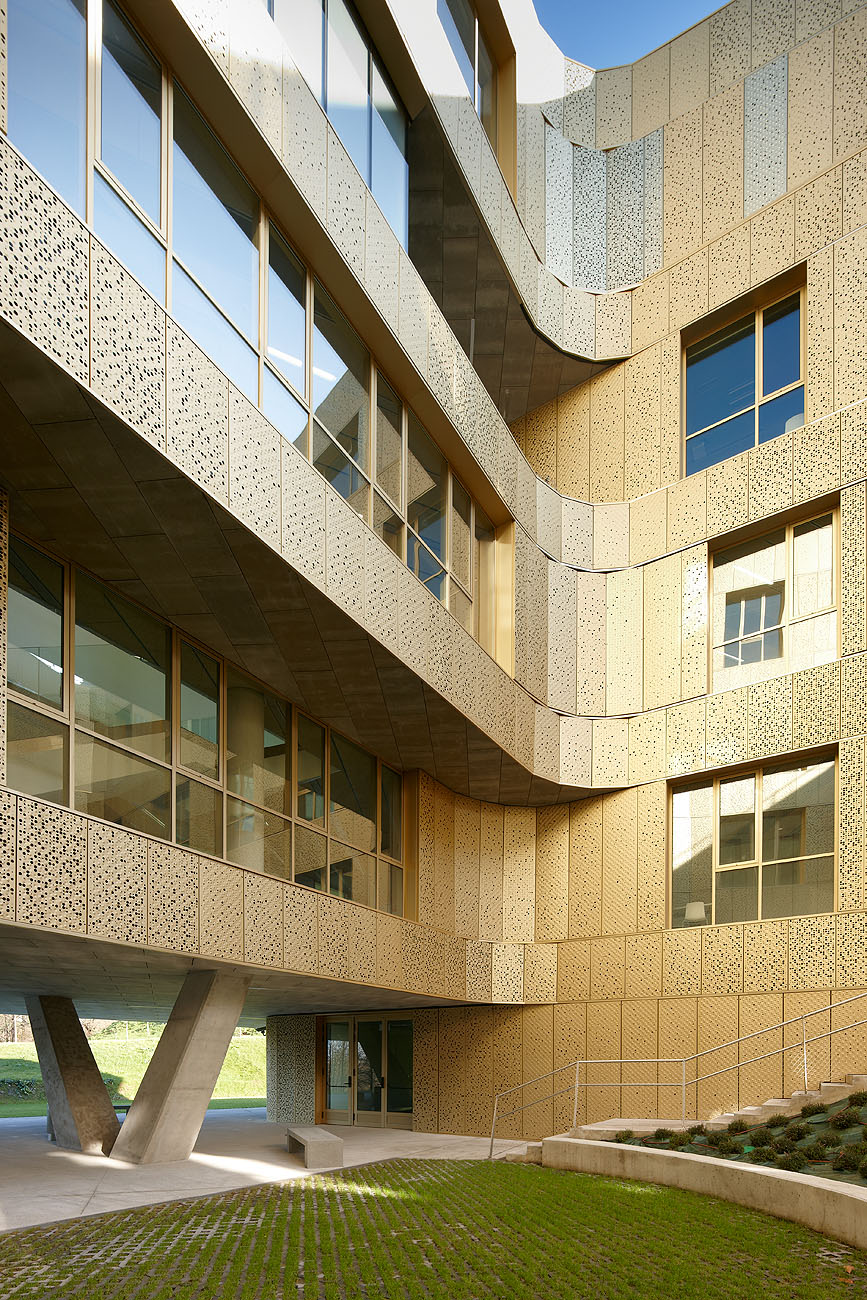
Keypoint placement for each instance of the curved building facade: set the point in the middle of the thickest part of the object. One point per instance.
(433, 549)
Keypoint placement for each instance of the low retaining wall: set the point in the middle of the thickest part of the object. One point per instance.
(837, 1210)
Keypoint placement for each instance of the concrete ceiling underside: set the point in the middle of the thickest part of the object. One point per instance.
(89, 488)
(115, 981)
(466, 277)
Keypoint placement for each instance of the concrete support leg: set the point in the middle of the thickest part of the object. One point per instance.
(81, 1110)
(166, 1115)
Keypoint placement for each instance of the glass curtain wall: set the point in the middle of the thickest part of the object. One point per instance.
(474, 58)
(203, 246)
(113, 712)
(337, 60)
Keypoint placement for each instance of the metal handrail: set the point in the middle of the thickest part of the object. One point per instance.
(579, 1083)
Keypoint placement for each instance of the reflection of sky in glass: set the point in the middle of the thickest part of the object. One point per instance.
(47, 61)
(214, 219)
(128, 238)
(781, 345)
(213, 333)
(131, 101)
(720, 376)
(286, 312)
(347, 85)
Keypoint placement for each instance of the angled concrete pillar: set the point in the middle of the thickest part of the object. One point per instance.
(78, 1102)
(166, 1115)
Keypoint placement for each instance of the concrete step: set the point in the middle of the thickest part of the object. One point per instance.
(857, 1082)
(533, 1154)
(831, 1092)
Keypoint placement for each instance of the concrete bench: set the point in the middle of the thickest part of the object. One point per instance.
(322, 1149)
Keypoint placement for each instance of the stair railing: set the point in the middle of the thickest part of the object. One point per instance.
(579, 1082)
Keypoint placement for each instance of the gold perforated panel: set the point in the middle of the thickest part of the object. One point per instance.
(389, 950)
(221, 909)
(694, 621)
(770, 477)
(853, 542)
(585, 868)
(688, 298)
(682, 196)
(426, 840)
(642, 398)
(610, 751)
(173, 898)
(570, 1044)
(727, 495)
(681, 962)
(772, 240)
(603, 1044)
(849, 1048)
(573, 442)
(850, 40)
(607, 957)
(623, 641)
(552, 873)
(507, 1063)
(620, 859)
(852, 951)
(766, 951)
(819, 213)
(538, 1058)
(811, 952)
(263, 920)
(607, 414)
(467, 845)
(678, 1036)
(507, 972)
(647, 527)
(662, 618)
(764, 1078)
(853, 696)
(811, 108)
(721, 958)
(729, 272)
(647, 746)
(425, 1070)
(638, 1021)
(769, 717)
(684, 729)
(723, 162)
(444, 860)
(820, 334)
(818, 1053)
(643, 976)
(717, 1023)
(850, 879)
(51, 861)
(726, 728)
(816, 705)
(573, 970)
(519, 874)
(687, 512)
(8, 812)
(853, 425)
(452, 1064)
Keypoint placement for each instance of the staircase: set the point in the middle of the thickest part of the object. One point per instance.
(790, 1106)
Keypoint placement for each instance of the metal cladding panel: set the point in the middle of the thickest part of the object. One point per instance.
(579, 104)
(690, 69)
(647, 746)
(682, 186)
(333, 939)
(717, 1023)
(722, 162)
(291, 1069)
(772, 240)
(770, 477)
(479, 1070)
(653, 202)
(254, 72)
(540, 972)
(382, 264)
(729, 267)
(8, 818)
(763, 1079)
(811, 952)
(730, 50)
(819, 213)
(818, 1053)
(589, 200)
(305, 139)
(610, 751)
(573, 970)
(853, 696)
(603, 1044)
(531, 616)
(773, 29)
(301, 930)
(389, 947)
(722, 958)
(570, 1045)
(491, 872)
(687, 511)
(558, 204)
(850, 55)
(816, 705)
(562, 638)
(694, 580)
(619, 863)
(852, 952)
(361, 948)
(507, 972)
(625, 215)
(51, 866)
(552, 873)
(345, 207)
(663, 620)
(650, 308)
(443, 917)
(479, 971)
(850, 871)
(116, 868)
(425, 1070)
(811, 108)
(849, 1048)
(613, 325)
(650, 91)
(4, 617)
(820, 334)
(591, 642)
(766, 956)
(197, 414)
(254, 468)
(467, 846)
(652, 859)
(765, 119)
(642, 412)
(573, 475)
(678, 1037)
(613, 106)
(850, 327)
(263, 920)
(816, 458)
(537, 1025)
(607, 434)
(643, 973)
(639, 1021)
(623, 640)
(221, 909)
(681, 962)
(519, 874)
(769, 717)
(585, 868)
(726, 728)
(854, 191)
(647, 526)
(452, 1080)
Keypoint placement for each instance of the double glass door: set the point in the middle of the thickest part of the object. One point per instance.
(368, 1071)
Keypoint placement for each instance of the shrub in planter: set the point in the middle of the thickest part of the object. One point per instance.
(797, 1131)
(760, 1137)
(679, 1140)
(696, 1130)
(862, 1169)
(816, 1151)
(661, 1134)
(783, 1146)
(826, 1140)
(625, 1135)
(858, 1099)
(813, 1108)
(846, 1118)
(793, 1161)
(726, 1146)
(851, 1156)
(761, 1155)
(738, 1126)
(777, 1121)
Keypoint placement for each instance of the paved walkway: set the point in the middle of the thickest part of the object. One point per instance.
(236, 1148)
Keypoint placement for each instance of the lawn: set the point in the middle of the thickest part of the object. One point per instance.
(410, 1229)
(122, 1062)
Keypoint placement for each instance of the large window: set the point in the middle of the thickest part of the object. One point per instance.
(774, 604)
(203, 244)
(474, 58)
(744, 384)
(336, 58)
(753, 847)
(139, 726)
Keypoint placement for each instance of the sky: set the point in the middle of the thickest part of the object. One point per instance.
(605, 34)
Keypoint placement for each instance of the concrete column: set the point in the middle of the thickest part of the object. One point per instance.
(78, 1100)
(166, 1115)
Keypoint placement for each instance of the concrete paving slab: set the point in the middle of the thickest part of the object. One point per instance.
(236, 1148)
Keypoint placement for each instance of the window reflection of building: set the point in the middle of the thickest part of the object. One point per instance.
(153, 733)
(754, 847)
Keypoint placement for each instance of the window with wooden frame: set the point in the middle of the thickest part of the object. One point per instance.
(754, 846)
(745, 383)
(774, 603)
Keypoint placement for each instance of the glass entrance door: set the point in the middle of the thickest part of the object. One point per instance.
(368, 1071)
(338, 1073)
